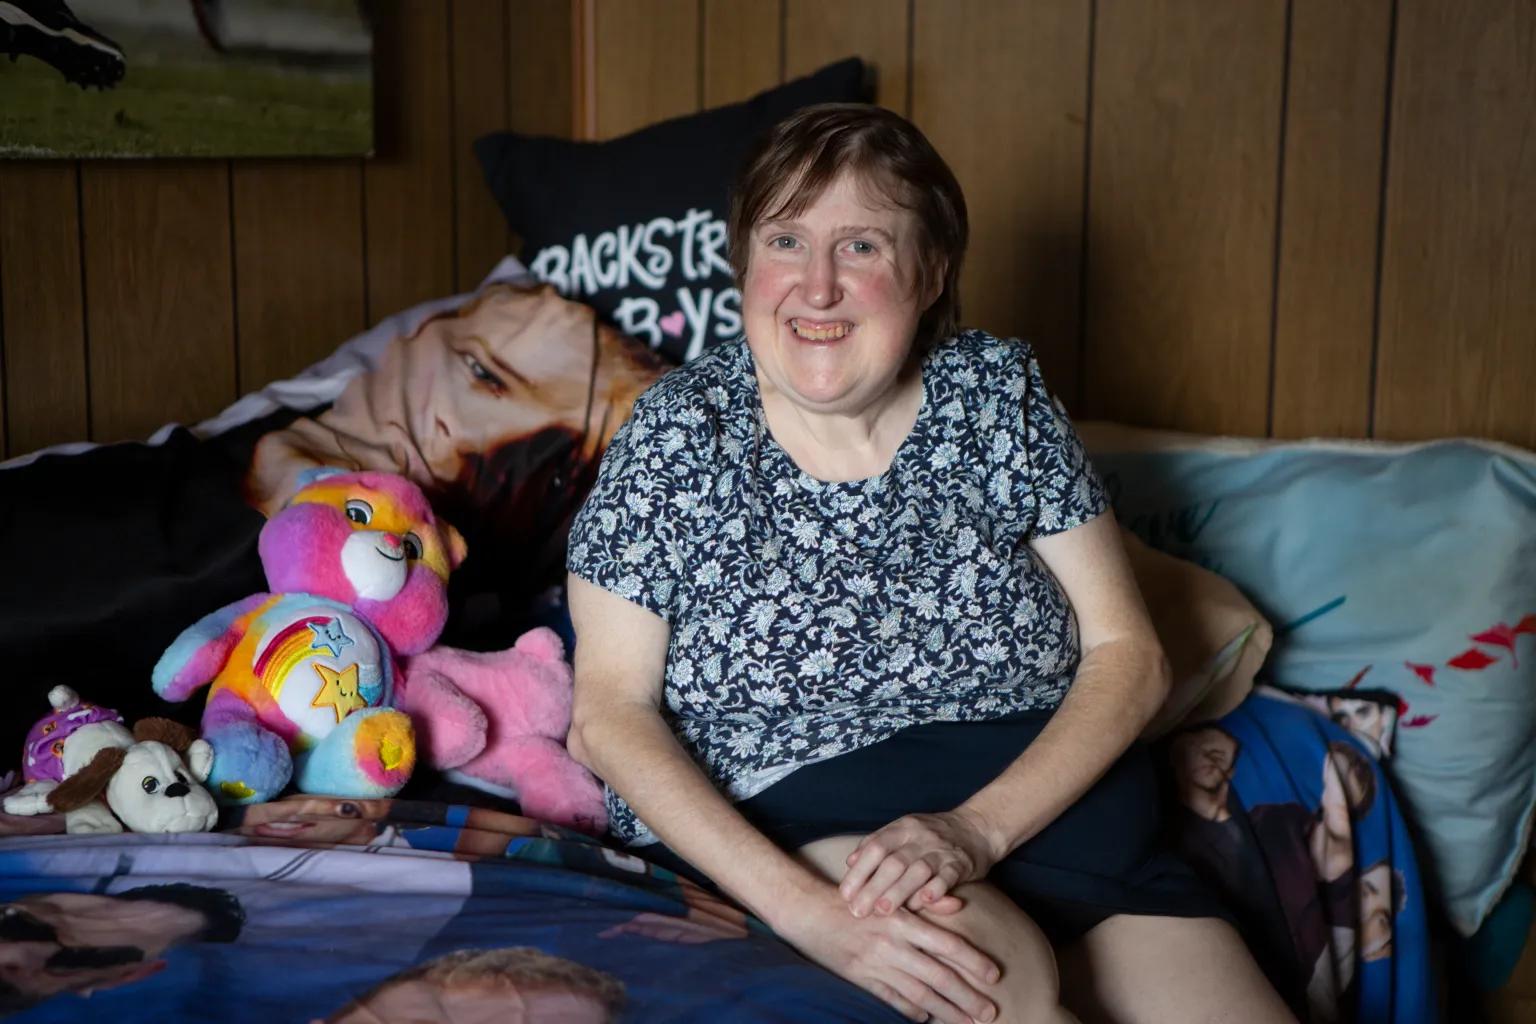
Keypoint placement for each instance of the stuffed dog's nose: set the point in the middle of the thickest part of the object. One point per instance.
(177, 789)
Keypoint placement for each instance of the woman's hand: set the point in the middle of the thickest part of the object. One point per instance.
(923, 970)
(915, 861)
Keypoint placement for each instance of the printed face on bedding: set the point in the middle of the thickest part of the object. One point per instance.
(1203, 761)
(84, 942)
(509, 985)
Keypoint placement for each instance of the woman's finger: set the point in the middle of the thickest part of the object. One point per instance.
(904, 891)
(870, 853)
(943, 880)
(904, 1006)
(872, 897)
(859, 849)
(947, 904)
(944, 992)
(946, 945)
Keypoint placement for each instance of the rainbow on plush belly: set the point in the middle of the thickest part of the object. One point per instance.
(318, 669)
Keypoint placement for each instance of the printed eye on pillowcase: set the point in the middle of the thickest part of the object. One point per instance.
(636, 226)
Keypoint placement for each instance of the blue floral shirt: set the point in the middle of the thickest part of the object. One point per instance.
(809, 619)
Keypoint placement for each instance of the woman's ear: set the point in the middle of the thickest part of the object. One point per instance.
(935, 284)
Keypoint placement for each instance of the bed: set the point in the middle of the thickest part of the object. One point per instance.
(1343, 618)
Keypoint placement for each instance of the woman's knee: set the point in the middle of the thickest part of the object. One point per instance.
(1030, 987)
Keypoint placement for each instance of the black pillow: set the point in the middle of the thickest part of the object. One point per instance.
(635, 226)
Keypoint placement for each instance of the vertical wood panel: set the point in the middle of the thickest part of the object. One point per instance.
(1009, 119)
(541, 80)
(158, 295)
(818, 32)
(1330, 214)
(408, 187)
(479, 63)
(45, 399)
(743, 41)
(1457, 348)
(299, 290)
(647, 62)
(1183, 169)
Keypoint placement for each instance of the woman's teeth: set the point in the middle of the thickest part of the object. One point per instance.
(821, 332)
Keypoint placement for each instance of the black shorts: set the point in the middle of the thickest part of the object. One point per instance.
(1103, 856)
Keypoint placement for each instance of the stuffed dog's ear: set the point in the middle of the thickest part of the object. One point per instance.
(89, 782)
(173, 734)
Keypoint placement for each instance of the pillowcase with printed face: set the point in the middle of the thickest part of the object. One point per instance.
(636, 226)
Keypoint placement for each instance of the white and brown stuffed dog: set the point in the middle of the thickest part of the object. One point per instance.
(82, 761)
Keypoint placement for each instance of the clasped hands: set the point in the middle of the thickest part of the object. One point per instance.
(917, 861)
(925, 971)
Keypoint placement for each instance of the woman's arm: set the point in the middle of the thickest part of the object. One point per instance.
(1121, 682)
(617, 731)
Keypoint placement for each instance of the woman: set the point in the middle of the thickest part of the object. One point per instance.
(840, 573)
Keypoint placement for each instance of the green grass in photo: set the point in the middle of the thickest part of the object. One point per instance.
(202, 105)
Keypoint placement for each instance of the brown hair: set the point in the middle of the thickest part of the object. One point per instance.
(800, 156)
(521, 968)
(1355, 773)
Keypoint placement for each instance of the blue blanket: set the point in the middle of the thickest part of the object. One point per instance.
(318, 909)
(1293, 820)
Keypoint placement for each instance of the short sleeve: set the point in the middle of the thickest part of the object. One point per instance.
(633, 534)
(1067, 491)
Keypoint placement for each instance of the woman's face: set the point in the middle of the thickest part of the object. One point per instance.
(828, 301)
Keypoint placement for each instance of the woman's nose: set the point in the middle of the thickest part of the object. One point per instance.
(821, 287)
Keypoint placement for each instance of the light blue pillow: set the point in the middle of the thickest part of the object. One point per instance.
(1407, 568)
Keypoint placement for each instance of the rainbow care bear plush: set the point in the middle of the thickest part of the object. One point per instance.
(301, 680)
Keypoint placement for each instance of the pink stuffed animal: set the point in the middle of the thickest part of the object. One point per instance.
(498, 722)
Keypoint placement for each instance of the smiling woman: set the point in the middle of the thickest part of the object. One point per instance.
(854, 575)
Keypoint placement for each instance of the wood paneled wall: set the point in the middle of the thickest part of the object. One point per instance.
(1284, 217)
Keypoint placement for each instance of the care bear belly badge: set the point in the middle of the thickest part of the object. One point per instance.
(301, 680)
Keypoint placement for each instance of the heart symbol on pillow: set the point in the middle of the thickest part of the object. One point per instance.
(672, 324)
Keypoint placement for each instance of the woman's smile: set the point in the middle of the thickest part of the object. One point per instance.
(820, 330)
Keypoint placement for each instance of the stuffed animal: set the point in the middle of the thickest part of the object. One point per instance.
(302, 679)
(82, 761)
(498, 721)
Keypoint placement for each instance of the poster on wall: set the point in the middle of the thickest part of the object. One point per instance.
(185, 78)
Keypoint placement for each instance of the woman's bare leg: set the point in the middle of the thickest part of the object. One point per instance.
(1132, 968)
(1028, 990)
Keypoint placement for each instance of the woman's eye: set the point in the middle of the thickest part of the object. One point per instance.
(150, 784)
(359, 511)
(783, 242)
(478, 371)
(412, 546)
(862, 248)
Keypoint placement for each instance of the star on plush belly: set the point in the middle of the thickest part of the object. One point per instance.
(338, 691)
